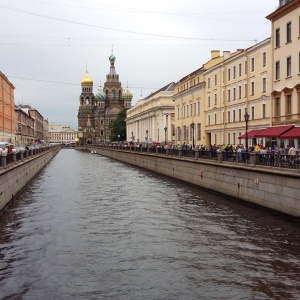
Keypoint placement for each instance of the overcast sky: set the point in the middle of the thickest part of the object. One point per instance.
(47, 44)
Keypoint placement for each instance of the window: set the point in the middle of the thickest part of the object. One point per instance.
(215, 119)
(191, 109)
(299, 64)
(178, 113)
(216, 79)
(252, 64)
(199, 131)
(233, 116)
(240, 92)
(216, 99)
(264, 85)
(208, 101)
(252, 88)
(277, 70)
(252, 112)
(228, 137)
(277, 107)
(264, 110)
(240, 69)
(289, 32)
(289, 67)
(198, 107)
(240, 115)
(245, 90)
(234, 72)
(264, 59)
(208, 82)
(277, 37)
(233, 137)
(184, 133)
(289, 104)
(228, 74)
(228, 117)
(195, 109)
(228, 96)
(234, 93)
(208, 120)
(184, 111)
(187, 110)
(246, 67)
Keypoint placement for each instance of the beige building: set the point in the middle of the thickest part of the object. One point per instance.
(240, 84)
(286, 63)
(24, 127)
(211, 102)
(61, 134)
(151, 120)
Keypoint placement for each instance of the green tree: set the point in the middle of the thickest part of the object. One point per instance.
(118, 127)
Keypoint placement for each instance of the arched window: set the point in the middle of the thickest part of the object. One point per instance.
(114, 94)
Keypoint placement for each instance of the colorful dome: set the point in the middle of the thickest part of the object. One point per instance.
(87, 79)
(127, 96)
(100, 94)
(112, 57)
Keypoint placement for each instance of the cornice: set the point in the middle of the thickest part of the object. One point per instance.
(283, 10)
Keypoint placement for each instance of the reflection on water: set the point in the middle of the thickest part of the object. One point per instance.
(92, 228)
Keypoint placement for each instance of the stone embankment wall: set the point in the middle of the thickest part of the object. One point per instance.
(274, 188)
(14, 177)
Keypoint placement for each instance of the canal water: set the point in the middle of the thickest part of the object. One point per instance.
(88, 227)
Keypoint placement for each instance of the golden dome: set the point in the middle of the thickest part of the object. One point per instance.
(87, 79)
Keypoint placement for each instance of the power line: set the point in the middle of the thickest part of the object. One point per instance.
(118, 30)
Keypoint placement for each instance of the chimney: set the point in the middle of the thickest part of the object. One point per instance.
(215, 54)
(226, 54)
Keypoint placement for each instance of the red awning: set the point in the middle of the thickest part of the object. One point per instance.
(251, 134)
(275, 131)
(293, 133)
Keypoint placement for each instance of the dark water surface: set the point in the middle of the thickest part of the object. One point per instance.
(88, 227)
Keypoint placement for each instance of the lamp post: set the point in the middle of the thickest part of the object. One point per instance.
(165, 135)
(193, 128)
(147, 138)
(246, 116)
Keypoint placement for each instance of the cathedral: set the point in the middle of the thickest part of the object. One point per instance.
(97, 112)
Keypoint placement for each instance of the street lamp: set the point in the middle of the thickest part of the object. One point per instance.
(246, 116)
(193, 128)
(165, 135)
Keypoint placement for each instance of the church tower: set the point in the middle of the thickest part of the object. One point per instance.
(97, 112)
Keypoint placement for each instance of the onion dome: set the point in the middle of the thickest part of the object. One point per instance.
(87, 79)
(100, 95)
(112, 58)
(127, 96)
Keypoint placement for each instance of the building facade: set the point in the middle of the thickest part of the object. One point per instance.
(61, 134)
(285, 43)
(97, 112)
(7, 110)
(152, 119)
(24, 127)
(211, 102)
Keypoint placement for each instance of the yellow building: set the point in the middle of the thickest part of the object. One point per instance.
(61, 134)
(244, 87)
(211, 102)
(286, 63)
(151, 120)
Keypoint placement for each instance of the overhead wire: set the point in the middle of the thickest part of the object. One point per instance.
(121, 30)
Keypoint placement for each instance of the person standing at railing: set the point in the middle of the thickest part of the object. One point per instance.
(292, 152)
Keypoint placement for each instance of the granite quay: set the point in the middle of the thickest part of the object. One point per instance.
(271, 182)
(17, 169)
